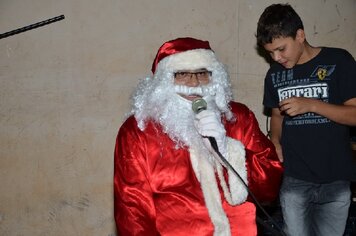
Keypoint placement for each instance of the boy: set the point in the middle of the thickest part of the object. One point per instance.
(312, 94)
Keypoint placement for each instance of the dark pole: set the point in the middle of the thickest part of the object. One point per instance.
(32, 26)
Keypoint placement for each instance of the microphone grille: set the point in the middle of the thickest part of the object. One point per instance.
(199, 105)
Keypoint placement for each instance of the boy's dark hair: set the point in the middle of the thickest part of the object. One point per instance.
(277, 20)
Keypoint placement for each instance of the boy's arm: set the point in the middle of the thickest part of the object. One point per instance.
(276, 130)
(343, 114)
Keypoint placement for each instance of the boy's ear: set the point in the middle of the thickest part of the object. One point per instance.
(300, 36)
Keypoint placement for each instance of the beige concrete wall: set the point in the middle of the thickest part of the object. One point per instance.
(64, 90)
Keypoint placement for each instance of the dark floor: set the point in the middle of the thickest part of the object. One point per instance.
(267, 228)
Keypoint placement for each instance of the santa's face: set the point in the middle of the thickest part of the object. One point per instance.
(191, 79)
(166, 98)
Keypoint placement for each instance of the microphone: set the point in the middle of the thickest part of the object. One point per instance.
(199, 105)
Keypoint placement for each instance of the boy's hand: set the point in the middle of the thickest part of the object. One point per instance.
(279, 152)
(294, 106)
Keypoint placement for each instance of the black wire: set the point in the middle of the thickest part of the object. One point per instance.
(32, 26)
(279, 231)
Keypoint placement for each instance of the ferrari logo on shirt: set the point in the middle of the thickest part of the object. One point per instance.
(322, 73)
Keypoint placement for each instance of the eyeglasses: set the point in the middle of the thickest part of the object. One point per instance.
(202, 75)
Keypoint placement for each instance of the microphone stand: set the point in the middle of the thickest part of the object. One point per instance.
(278, 231)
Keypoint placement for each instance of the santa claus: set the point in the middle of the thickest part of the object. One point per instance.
(168, 178)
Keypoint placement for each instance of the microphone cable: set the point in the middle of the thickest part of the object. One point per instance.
(199, 105)
(278, 231)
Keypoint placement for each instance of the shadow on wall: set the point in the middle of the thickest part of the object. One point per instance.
(263, 53)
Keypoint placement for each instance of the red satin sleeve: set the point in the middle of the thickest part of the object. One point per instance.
(264, 168)
(134, 208)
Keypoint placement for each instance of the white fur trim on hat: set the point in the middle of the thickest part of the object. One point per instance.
(190, 60)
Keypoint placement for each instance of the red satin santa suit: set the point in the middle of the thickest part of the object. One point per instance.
(156, 191)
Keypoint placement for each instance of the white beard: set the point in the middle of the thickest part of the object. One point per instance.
(161, 103)
(157, 99)
(178, 120)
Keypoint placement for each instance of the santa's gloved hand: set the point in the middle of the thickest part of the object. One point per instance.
(208, 124)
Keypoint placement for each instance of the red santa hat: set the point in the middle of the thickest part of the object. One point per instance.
(184, 54)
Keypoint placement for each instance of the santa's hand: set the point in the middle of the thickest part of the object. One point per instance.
(208, 124)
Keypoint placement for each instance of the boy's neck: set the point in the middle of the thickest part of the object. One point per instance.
(309, 52)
